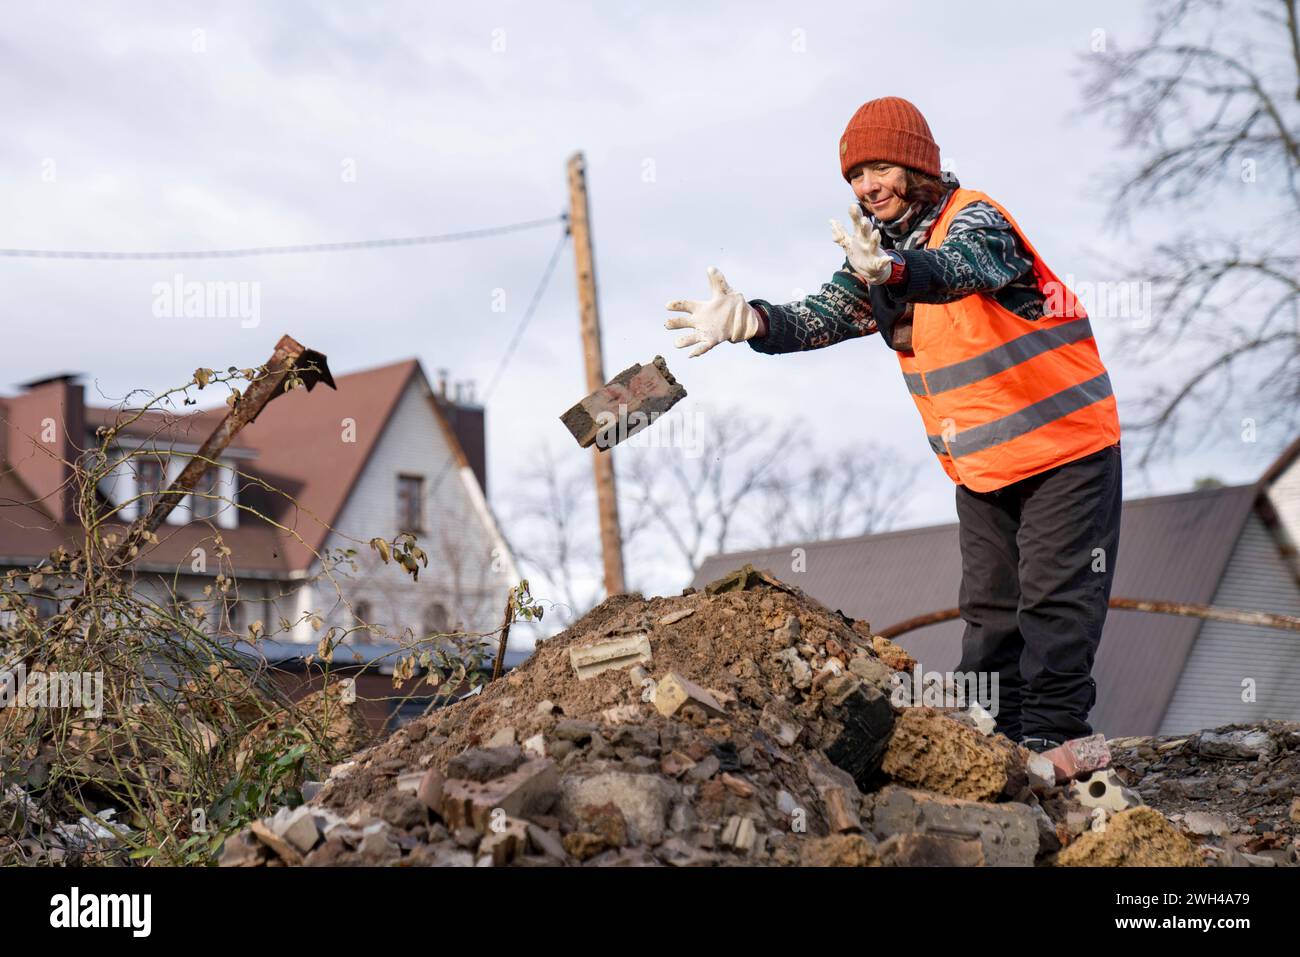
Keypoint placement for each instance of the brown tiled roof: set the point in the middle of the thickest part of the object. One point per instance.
(191, 428)
(1172, 548)
(298, 445)
(255, 550)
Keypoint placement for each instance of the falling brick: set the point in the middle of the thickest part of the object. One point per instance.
(625, 405)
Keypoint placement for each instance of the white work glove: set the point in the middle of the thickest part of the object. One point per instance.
(863, 248)
(727, 317)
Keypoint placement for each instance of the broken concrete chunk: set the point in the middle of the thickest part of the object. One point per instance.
(430, 790)
(591, 660)
(1104, 789)
(983, 721)
(1249, 745)
(873, 671)
(545, 842)
(1042, 772)
(837, 687)
(673, 691)
(675, 616)
(409, 783)
(297, 826)
(243, 850)
(1007, 832)
(623, 714)
(930, 850)
(739, 834)
(529, 789)
(777, 721)
(625, 405)
(800, 673)
(484, 764)
(675, 764)
(286, 851)
(505, 840)
(574, 729)
(838, 793)
(643, 799)
(704, 769)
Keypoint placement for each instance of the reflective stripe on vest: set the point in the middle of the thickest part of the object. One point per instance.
(998, 359)
(1005, 429)
(1002, 397)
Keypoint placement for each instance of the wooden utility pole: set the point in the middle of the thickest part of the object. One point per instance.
(611, 539)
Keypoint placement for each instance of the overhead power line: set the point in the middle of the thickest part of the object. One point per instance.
(284, 250)
(528, 314)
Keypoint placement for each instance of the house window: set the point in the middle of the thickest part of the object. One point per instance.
(204, 502)
(410, 503)
(436, 619)
(149, 483)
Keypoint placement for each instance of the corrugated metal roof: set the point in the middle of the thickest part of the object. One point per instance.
(1172, 548)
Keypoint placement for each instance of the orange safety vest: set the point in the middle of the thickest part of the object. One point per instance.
(1002, 397)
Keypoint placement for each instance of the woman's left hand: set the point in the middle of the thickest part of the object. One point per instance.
(863, 248)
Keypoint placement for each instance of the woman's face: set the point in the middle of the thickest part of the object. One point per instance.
(879, 187)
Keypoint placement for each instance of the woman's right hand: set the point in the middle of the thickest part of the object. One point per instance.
(724, 317)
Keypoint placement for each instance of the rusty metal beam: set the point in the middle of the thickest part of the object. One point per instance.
(1263, 619)
(289, 356)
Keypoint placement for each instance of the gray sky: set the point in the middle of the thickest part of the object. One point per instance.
(710, 133)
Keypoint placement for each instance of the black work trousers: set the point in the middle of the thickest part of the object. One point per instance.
(1038, 559)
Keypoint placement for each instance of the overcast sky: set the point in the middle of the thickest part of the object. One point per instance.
(710, 132)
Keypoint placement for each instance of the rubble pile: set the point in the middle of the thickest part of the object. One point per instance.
(1234, 790)
(76, 799)
(742, 725)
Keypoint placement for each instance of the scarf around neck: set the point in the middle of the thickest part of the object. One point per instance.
(912, 229)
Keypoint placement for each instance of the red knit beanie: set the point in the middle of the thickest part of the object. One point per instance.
(889, 129)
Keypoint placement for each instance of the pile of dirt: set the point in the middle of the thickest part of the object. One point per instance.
(743, 725)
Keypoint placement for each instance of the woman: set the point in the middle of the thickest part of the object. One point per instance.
(1016, 404)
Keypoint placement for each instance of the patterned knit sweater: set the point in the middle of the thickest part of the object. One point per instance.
(980, 254)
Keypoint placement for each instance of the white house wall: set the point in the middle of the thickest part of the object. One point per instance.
(1284, 493)
(1209, 692)
(457, 535)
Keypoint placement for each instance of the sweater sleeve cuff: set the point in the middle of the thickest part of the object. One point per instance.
(775, 341)
(918, 276)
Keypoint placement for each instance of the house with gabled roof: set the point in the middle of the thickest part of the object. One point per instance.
(1231, 547)
(316, 475)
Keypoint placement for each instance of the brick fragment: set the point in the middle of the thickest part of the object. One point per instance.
(625, 405)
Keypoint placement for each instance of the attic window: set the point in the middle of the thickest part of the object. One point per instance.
(410, 503)
(204, 501)
(149, 483)
(436, 619)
